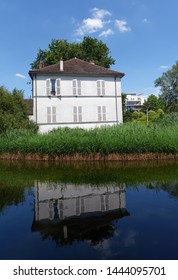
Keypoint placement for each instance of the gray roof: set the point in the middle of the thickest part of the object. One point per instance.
(76, 66)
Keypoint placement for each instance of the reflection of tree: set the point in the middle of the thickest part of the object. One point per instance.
(94, 228)
(10, 196)
(15, 176)
(96, 173)
(13, 182)
(170, 188)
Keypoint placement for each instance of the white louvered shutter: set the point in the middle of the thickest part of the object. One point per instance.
(79, 88)
(103, 87)
(74, 82)
(58, 86)
(99, 113)
(104, 113)
(48, 87)
(98, 88)
(75, 113)
(54, 114)
(80, 114)
(48, 114)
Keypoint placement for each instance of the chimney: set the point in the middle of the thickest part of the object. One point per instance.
(41, 64)
(61, 64)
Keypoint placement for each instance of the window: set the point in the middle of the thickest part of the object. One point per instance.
(76, 87)
(100, 88)
(101, 113)
(53, 87)
(77, 114)
(51, 114)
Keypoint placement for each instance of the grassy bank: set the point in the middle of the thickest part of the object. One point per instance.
(126, 138)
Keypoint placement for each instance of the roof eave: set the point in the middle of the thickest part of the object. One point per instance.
(62, 73)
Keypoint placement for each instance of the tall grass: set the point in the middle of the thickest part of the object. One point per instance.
(126, 138)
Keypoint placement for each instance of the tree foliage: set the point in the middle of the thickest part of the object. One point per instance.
(168, 85)
(89, 49)
(141, 117)
(124, 97)
(153, 103)
(153, 116)
(13, 111)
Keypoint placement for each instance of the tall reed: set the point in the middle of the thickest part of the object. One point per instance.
(126, 138)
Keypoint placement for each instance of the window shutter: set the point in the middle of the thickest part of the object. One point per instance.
(58, 86)
(104, 113)
(103, 87)
(48, 114)
(75, 113)
(80, 114)
(99, 109)
(48, 87)
(98, 88)
(54, 114)
(79, 87)
(75, 110)
(74, 82)
(74, 91)
(99, 113)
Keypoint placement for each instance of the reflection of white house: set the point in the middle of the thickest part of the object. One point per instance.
(60, 202)
(76, 93)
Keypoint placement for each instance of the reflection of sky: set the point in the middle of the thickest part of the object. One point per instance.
(113, 247)
(145, 233)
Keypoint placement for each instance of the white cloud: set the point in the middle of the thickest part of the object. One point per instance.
(90, 25)
(20, 76)
(100, 13)
(106, 33)
(93, 24)
(164, 67)
(98, 22)
(122, 25)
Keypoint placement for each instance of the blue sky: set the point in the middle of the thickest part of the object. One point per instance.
(141, 35)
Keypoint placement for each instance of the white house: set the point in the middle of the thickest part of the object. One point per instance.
(71, 212)
(134, 101)
(75, 93)
(74, 201)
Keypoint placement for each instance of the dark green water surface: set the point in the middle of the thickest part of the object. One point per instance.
(89, 210)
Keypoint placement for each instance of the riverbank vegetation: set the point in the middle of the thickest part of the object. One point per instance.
(160, 137)
(14, 111)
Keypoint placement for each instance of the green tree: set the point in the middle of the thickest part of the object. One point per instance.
(168, 84)
(153, 103)
(89, 49)
(13, 111)
(153, 116)
(124, 97)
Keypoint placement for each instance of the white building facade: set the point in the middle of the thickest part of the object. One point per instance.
(76, 93)
(134, 101)
(75, 201)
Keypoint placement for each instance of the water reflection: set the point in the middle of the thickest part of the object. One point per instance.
(69, 212)
(97, 210)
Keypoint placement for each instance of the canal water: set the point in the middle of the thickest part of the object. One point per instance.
(89, 210)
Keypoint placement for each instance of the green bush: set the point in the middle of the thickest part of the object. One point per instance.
(13, 111)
